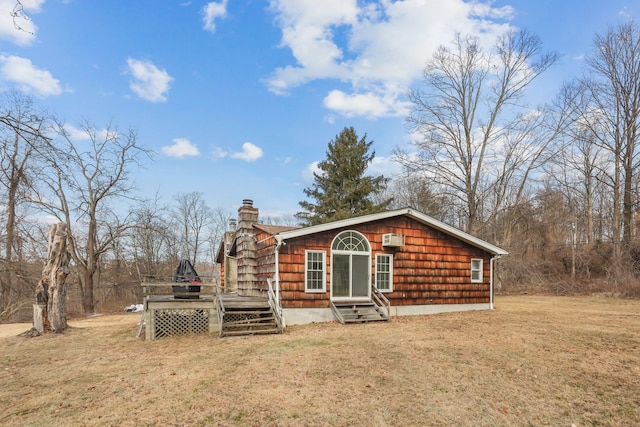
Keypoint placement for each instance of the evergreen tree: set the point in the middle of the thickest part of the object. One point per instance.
(341, 190)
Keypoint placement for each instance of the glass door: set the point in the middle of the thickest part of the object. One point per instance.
(350, 266)
(350, 275)
(360, 276)
(340, 275)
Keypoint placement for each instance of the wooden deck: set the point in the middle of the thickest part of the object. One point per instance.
(169, 313)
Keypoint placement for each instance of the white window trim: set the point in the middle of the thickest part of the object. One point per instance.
(480, 270)
(390, 257)
(324, 272)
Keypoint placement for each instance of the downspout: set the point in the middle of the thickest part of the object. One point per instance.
(494, 258)
(277, 272)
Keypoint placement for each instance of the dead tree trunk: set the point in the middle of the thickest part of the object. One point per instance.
(49, 311)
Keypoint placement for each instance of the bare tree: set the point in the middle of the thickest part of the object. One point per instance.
(193, 217)
(84, 181)
(479, 143)
(219, 223)
(286, 220)
(613, 117)
(150, 236)
(18, 14)
(20, 135)
(577, 171)
(416, 191)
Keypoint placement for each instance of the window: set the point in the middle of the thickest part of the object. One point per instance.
(384, 272)
(476, 270)
(351, 241)
(314, 271)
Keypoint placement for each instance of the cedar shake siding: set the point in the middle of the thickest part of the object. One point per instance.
(266, 258)
(292, 280)
(430, 268)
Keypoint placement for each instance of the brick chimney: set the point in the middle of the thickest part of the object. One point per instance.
(246, 249)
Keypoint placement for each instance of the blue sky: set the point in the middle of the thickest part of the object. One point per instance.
(239, 98)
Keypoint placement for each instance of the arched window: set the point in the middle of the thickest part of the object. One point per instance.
(350, 241)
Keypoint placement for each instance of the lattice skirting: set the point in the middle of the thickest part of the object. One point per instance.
(178, 321)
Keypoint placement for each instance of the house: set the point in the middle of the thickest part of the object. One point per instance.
(412, 263)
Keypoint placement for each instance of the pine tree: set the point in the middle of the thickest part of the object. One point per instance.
(341, 190)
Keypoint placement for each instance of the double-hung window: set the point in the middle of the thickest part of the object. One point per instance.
(384, 272)
(315, 271)
(476, 270)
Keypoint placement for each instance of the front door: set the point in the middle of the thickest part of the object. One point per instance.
(350, 266)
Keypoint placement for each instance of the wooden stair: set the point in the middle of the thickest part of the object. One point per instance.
(360, 312)
(245, 316)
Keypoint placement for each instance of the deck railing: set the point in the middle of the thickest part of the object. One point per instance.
(167, 285)
(220, 308)
(275, 306)
(380, 300)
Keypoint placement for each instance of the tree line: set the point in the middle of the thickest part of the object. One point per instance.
(53, 172)
(557, 185)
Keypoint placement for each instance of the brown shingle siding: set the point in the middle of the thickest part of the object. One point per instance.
(431, 268)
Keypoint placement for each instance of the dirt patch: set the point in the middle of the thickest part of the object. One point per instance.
(14, 329)
(532, 361)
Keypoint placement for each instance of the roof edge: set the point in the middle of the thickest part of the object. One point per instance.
(412, 213)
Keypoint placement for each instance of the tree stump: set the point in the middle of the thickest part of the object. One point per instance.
(49, 312)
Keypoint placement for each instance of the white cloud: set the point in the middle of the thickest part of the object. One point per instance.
(379, 48)
(181, 147)
(149, 82)
(76, 134)
(212, 11)
(307, 31)
(44, 219)
(365, 104)
(307, 173)
(249, 153)
(284, 160)
(624, 13)
(21, 71)
(87, 132)
(25, 34)
(386, 166)
(218, 153)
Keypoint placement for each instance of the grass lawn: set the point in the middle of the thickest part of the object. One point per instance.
(534, 360)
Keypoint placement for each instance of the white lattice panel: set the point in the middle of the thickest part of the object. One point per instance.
(177, 321)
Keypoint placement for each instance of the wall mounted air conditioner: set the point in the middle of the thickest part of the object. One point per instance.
(392, 240)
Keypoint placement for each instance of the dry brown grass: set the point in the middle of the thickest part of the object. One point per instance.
(534, 361)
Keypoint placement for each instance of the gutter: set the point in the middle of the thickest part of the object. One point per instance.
(491, 289)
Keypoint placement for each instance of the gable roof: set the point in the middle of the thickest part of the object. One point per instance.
(409, 212)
